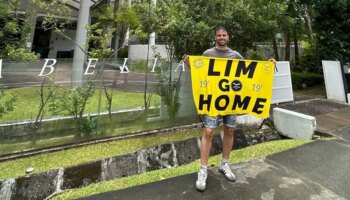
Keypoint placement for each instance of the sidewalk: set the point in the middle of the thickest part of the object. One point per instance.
(317, 170)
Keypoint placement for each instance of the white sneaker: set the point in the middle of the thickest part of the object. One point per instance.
(201, 182)
(225, 169)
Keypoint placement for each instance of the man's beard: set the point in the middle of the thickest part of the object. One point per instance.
(221, 43)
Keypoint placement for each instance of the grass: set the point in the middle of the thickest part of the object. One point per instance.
(27, 104)
(65, 158)
(242, 155)
(316, 90)
(62, 138)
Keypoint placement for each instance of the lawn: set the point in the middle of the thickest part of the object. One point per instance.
(27, 104)
(253, 152)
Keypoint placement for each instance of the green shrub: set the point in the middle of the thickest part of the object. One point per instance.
(123, 53)
(308, 78)
(89, 125)
(138, 66)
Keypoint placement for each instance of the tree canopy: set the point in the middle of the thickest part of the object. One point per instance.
(322, 26)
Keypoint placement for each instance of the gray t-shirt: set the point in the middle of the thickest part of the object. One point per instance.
(228, 53)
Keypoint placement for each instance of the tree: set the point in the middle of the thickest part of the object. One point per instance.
(47, 94)
(105, 20)
(73, 103)
(13, 31)
(189, 25)
(6, 104)
(332, 25)
(15, 25)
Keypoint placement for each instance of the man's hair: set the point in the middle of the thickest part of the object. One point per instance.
(220, 28)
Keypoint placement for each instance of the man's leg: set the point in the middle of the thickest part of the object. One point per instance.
(208, 132)
(227, 142)
(229, 124)
(206, 142)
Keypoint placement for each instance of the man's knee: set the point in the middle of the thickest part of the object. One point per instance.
(229, 130)
(208, 133)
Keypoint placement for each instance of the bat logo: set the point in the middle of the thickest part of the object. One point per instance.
(236, 85)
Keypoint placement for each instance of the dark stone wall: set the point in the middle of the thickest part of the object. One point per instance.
(82, 175)
(36, 186)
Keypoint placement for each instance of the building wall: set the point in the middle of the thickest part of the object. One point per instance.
(139, 51)
(59, 43)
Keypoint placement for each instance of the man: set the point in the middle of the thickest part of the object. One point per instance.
(221, 50)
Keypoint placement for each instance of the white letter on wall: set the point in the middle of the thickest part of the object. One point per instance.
(89, 65)
(124, 69)
(50, 66)
(182, 64)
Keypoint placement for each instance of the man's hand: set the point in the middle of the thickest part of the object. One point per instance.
(272, 60)
(186, 60)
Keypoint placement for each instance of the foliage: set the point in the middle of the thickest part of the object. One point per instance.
(25, 107)
(138, 66)
(89, 125)
(310, 79)
(168, 87)
(6, 104)
(105, 19)
(108, 21)
(16, 25)
(189, 25)
(13, 31)
(332, 24)
(47, 94)
(73, 103)
(255, 55)
(309, 59)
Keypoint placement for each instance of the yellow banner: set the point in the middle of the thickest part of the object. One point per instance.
(230, 86)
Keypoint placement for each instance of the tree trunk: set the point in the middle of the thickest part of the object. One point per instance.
(296, 47)
(318, 59)
(287, 46)
(117, 6)
(307, 20)
(275, 49)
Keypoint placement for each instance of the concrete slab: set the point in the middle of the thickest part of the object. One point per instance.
(333, 79)
(343, 114)
(325, 162)
(328, 124)
(343, 133)
(294, 125)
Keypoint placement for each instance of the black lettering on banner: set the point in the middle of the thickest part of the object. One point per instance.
(242, 67)
(228, 68)
(211, 71)
(258, 105)
(217, 102)
(224, 87)
(238, 102)
(202, 101)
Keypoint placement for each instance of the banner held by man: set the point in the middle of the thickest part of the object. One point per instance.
(231, 86)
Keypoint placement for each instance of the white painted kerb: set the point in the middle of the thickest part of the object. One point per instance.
(293, 124)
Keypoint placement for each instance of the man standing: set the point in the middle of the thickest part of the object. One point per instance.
(221, 50)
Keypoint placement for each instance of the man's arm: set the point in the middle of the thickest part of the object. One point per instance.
(186, 60)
